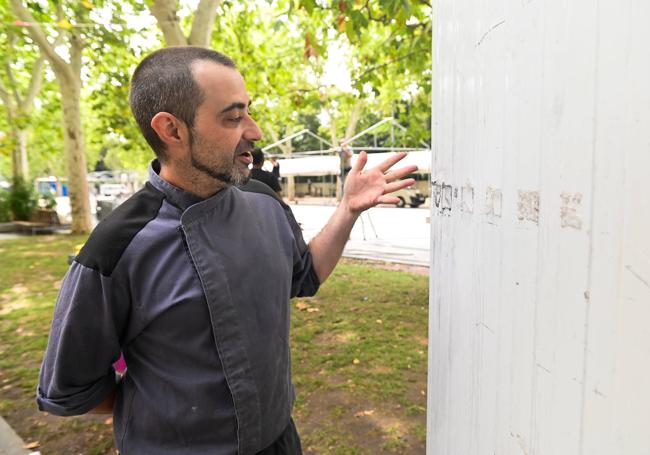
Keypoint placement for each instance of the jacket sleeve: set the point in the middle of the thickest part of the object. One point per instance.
(304, 282)
(90, 315)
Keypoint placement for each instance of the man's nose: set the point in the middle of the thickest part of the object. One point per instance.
(253, 132)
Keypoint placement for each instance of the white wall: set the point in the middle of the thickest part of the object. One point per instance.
(540, 276)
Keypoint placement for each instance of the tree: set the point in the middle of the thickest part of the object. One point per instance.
(68, 75)
(18, 99)
(166, 14)
(77, 29)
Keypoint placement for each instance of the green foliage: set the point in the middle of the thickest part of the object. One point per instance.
(281, 48)
(22, 199)
(5, 210)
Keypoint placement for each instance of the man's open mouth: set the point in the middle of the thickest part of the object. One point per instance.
(245, 157)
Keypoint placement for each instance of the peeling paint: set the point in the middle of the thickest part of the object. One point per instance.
(528, 206)
(569, 217)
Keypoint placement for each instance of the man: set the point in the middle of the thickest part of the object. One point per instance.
(260, 174)
(190, 278)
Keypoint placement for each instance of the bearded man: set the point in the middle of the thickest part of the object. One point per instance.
(190, 279)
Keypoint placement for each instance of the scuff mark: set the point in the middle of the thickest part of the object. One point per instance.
(442, 196)
(521, 441)
(528, 206)
(641, 279)
(569, 216)
(542, 367)
(467, 199)
(489, 31)
(481, 324)
(599, 393)
(493, 202)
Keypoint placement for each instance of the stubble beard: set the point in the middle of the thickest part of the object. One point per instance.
(235, 175)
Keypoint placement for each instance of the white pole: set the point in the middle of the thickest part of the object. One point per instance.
(540, 278)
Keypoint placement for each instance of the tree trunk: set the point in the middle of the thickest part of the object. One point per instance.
(75, 156)
(22, 153)
(165, 13)
(203, 23)
(353, 120)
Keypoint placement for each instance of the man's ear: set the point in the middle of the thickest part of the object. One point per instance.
(171, 131)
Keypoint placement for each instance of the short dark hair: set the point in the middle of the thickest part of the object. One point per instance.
(163, 82)
(258, 156)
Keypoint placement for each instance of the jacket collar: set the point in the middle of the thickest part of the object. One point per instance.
(180, 198)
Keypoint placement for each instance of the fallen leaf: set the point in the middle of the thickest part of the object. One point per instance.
(356, 361)
(32, 445)
(379, 321)
(365, 413)
(302, 306)
(109, 421)
(312, 310)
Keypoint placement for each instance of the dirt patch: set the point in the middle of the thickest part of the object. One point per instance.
(370, 428)
(408, 268)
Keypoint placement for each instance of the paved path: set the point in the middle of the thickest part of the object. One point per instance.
(383, 233)
(10, 442)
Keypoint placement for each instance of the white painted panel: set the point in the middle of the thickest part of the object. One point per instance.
(540, 282)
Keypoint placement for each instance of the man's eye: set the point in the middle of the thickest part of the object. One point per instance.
(236, 119)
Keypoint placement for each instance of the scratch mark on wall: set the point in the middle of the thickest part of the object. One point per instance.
(521, 441)
(493, 198)
(569, 216)
(599, 393)
(640, 278)
(446, 198)
(542, 367)
(467, 199)
(528, 206)
(481, 324)
(489, 31)
(442, 196)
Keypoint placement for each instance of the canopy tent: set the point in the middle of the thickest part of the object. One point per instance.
(330, 164)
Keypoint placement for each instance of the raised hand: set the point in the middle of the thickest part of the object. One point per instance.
(367, 188)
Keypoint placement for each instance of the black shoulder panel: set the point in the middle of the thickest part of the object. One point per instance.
(255, 186)
(110, 238)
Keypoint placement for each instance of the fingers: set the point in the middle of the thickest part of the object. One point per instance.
(399, 173)
(390, 162)
(390, 187)
(361, 161)
(387, 200)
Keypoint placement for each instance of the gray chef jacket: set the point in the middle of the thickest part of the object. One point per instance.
(195, 293)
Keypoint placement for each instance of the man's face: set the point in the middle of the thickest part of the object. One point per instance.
(224, 133)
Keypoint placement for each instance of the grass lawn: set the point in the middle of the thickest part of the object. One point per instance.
(359, 357)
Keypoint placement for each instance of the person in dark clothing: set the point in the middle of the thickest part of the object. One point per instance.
(260, 174)
(191, 278)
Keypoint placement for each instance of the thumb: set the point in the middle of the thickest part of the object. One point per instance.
(360, 163)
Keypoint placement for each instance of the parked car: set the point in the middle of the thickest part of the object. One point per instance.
(409, 195)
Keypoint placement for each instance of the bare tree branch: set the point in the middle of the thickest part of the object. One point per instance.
(36, 32)
(35, 83)
(203, 22)
(6, 99)
(165, 13)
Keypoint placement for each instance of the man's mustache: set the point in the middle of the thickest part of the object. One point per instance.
(244, 146)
